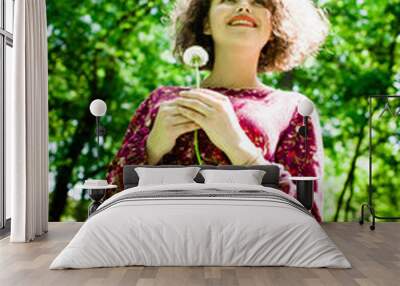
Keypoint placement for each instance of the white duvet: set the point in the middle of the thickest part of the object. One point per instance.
(203, 231)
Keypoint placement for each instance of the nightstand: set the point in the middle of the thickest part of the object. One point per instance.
(96, 194)
(305, 190)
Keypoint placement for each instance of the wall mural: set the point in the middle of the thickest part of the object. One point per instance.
(180, 93)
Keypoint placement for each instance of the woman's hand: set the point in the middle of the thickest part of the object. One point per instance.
(214, 113)
(168, 126)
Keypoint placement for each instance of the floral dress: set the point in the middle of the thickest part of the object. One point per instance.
(270, 119)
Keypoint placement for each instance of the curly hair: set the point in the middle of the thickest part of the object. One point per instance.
(298, 30)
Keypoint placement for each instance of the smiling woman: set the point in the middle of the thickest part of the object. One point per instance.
(240, 120)
(297, 28)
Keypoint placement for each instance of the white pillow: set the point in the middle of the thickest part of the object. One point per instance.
(162, 176)
(248, 177)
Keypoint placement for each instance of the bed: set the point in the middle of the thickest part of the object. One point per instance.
(201, 224)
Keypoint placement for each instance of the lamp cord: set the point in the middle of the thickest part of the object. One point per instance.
(98, 137)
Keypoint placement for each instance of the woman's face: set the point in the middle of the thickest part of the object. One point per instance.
(225, 30)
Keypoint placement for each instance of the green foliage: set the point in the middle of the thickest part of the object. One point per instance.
(120, 51)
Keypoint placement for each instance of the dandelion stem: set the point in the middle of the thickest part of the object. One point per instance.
(197, 76)
(196, 139)
(196, 148)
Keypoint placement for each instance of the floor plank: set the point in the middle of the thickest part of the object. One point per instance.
(374, 255)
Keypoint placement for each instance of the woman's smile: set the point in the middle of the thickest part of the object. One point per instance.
(243, 20)
(242, 23)
(245, 25)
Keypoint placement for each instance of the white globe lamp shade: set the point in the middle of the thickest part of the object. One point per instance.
(306, 107)
(98, 107)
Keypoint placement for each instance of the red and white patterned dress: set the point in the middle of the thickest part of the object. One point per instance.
(270, 119)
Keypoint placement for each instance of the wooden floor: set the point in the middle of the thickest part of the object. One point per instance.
(374, 255)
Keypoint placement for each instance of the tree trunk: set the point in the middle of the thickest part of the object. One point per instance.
(348, 202)
(350, 176)
(64, 172)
